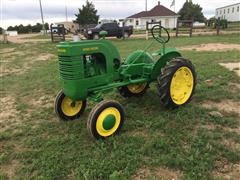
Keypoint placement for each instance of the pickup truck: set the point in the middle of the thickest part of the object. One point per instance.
(112, 28)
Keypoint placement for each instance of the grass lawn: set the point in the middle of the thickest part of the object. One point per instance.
(155, 143)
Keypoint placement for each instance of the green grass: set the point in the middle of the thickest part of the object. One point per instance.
(35, 144)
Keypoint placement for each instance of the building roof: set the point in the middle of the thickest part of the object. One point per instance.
(229, 6)
(158, 10)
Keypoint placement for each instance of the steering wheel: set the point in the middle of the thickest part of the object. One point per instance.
(157, 34)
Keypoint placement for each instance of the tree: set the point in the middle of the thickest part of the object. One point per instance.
(191, 11)
(46, 25)
(1, 30)
(87, 15)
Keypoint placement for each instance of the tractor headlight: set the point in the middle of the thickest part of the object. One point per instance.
(89, 32)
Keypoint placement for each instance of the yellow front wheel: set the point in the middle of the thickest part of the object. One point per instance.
(67, 109)
(134, 89)
(105, 119)
(176, 83)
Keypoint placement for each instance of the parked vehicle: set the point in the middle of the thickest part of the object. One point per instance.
(112, 29)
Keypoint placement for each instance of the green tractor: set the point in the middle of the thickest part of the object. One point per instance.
(90, 68)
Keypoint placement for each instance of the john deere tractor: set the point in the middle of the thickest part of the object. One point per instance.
(90, 68)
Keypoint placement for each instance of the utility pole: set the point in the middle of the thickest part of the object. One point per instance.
(43, 25)
(145, 5)
(66, 13)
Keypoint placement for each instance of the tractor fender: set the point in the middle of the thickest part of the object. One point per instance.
(163, 60)
(137, 57)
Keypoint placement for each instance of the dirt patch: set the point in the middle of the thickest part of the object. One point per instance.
(45, 57)
(212, 127)
(7, 108)
(158, 173)
(232, 67)
(143, 133)
(227, 105)
(23, 38)
(10, 169)
(8, 113)
(8, 69)
(211, 47)
(226, 170)
(43, 101)
(234, 87)
(230, 143)
(6, 50)
(6, 72)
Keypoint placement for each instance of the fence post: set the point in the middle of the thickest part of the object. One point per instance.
(147, 30)
(191, 28)
(123, 30)
(218, 26)
(177, 28)
(51, 32)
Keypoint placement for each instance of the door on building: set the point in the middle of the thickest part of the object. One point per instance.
(166, 23)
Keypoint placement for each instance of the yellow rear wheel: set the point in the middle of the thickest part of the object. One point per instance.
(177, 82)
(137, 88)
(181, 85)
(133, 89)
(67, 109)
(105, 119)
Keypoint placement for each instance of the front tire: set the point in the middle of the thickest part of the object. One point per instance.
(176, 83)
(67, 109)
(105, 119)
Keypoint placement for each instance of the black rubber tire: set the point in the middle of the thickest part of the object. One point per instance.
(57, 107)
(165, 78)
(95, 112)
(125, 92)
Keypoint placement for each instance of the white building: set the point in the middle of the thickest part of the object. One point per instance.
(167, 17)
(11, 33)
(70, 26)
(230, 13)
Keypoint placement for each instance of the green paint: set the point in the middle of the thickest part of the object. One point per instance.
(92, 67)
(109, 122)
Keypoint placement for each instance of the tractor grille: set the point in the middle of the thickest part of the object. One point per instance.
(70, 67)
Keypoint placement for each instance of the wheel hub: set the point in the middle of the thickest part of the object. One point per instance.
(69, 107)
(109, 122)
(136, 88)
(181, 85)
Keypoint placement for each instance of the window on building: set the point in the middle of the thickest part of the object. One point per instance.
(220, 11)
(137, 23)
(130, 20)
(238, 9)
(224, 11)
(228, 10)
(233, 9)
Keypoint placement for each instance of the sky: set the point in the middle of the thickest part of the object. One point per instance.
(15, 12)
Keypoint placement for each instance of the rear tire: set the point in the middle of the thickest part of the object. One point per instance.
(176, 83)
(133, 90)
